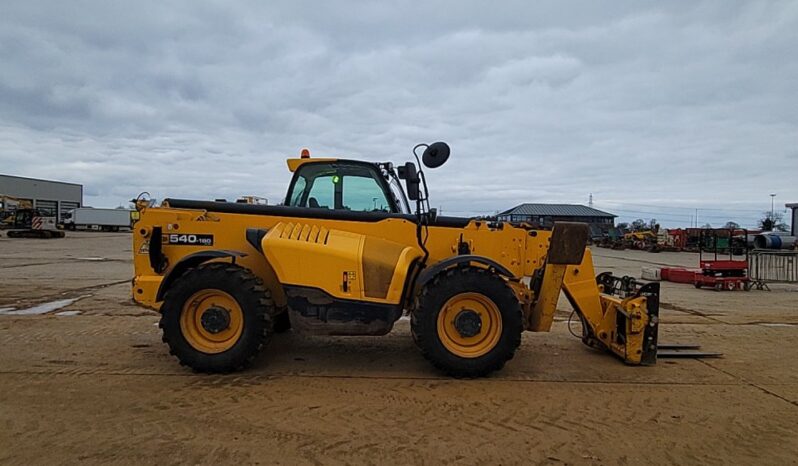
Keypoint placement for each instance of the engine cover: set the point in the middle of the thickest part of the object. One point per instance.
(342, 264)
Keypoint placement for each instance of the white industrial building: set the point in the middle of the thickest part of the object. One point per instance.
(51, 197)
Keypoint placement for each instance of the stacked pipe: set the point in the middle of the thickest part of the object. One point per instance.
(774, 241)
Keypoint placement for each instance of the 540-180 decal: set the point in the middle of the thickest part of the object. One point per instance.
(187, 239)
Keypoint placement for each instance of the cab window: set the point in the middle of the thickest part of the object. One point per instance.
(363, 194)
(299, 188)
(321, 192)
(339, 186)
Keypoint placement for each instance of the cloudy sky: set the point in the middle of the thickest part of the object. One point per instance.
(657, 108)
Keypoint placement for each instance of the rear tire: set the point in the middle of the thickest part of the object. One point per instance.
(451, 337)
(238, 309)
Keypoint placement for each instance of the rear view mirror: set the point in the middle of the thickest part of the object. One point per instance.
(409, 173)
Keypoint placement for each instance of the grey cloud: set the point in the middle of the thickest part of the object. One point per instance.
(677, 104)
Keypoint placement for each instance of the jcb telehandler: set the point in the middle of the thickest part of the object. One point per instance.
(346, 255)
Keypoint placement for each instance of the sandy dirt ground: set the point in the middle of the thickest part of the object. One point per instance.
(91, 382)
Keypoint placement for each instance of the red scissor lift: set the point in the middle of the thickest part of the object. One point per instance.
(718, 271)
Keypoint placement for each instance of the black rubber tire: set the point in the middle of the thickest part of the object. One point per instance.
(250, 293)
(436, 293)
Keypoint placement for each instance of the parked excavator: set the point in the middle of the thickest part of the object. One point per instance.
(347, 255)
(32, 223)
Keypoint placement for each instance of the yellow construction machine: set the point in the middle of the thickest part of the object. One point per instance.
(8, 208)
(642, 240)
(347, 255)
(24, 221)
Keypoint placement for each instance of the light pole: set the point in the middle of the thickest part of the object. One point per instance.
(772, 205)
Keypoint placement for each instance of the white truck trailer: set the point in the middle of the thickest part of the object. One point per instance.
(88, 218)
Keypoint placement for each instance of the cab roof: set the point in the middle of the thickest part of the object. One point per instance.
(293, 164)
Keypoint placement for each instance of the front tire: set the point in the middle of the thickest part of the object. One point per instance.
(467, 322)
(216, 318)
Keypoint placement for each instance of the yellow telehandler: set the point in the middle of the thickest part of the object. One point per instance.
(347, 255)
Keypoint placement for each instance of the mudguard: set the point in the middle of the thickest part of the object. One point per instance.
(189, 261)
(429, 273)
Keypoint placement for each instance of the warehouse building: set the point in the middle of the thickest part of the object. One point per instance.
(54, 198)
(544, 215)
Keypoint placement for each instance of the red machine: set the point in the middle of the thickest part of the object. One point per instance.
(722, 273)
(677, 238)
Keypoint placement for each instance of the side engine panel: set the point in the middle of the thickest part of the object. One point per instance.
(338, 282)
(343, 264)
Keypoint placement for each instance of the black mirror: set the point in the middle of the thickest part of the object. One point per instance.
(435, 155)
(409, 173)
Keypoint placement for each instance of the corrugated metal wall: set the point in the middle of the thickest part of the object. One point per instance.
(65, 207)
(47, 207)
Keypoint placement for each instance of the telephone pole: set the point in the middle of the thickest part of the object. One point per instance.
(772, 205)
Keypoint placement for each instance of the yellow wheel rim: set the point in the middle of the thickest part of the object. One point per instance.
(218, 338)
(477, 341)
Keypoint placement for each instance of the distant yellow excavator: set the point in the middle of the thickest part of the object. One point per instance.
(643, 240)
(8, 206)
(23, 221)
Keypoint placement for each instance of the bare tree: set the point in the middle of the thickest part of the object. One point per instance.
(639, 225)
(772, 221)
(653, 225)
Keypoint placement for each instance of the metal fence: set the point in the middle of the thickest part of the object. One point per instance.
(770, 266)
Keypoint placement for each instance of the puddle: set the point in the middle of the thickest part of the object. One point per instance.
(68, 313)
(6, 309)
(776, 324)
(42, 308)
(97, 259)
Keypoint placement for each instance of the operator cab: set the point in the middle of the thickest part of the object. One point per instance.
(357, 186)
(24, 218)
(347, 185)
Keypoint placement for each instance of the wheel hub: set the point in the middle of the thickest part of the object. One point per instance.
(215, 319)
(468, 323)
